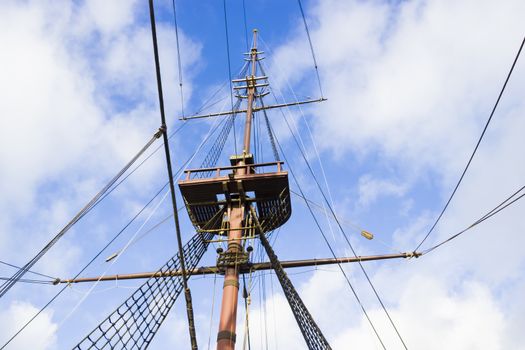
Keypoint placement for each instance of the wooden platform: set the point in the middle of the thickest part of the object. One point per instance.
(206, 197)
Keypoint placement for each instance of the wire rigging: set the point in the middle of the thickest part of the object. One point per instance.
(179, 62)
(354, 292)
(30, 271)
(126, 246)
(84, 268)
(229, 70)
(187, 293)
(313, 142)
(245, 26)
(311, 46)
(330, 207)
(6, 286)
(504, 204)
(345, 236)
(475, 148)
(179, 171)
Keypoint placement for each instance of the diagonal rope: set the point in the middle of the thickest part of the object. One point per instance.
(475, 148)
(506, 203)
(229, 69)
(345, 236)
(312, 334)
(6, 286)
(354, 292)
(210, 132)
(311, 46)
(94, 285)
(83, 268)
(135, 322)
(30, 271)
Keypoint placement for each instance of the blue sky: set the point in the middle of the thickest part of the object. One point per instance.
(409, 88)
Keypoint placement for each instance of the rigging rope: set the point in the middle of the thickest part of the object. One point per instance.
(179, 171)
(245, 26)
(212, 308)
(506, 203)
(246, 296)
(215, 151)
(30, 271)
(311, 46)
(313, 142)
(135, 322)
(93, 286)
(313, 336)
(229, 70)
(6, 286)
(179, 62)
(345, 236)
(354, 292)
(475, 148)
(83, 268)
(346, 221)
(187, 292)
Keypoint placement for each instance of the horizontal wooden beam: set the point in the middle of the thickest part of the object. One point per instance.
(210, 270)
(255, 109)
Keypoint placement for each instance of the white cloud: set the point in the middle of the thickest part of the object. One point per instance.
(370, 189)
(78, 101)
(409, 87)
(41, 334)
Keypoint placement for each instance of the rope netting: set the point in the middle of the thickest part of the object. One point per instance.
(135, 322)
(312, 334)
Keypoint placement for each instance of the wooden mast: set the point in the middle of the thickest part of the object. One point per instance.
(228, 318)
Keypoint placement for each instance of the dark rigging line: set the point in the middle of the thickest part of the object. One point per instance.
(311, 46)
(187, 293)
(475, 148)
(6, 286)
(245, 26)
(340, 227)
(114, 238)
(487, 216)
(179, 63)
(84, 268)
(30, 271)
(344, 233)
(139, 165)
(245, 296)
(354, 292)
(229, 71)
(29, 281)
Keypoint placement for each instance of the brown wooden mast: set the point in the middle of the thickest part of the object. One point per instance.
(228, 317)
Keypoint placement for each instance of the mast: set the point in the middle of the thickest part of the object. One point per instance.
(226, 336)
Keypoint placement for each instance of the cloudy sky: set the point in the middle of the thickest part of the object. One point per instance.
(410, 85)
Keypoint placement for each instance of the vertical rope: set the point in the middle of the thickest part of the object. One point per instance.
(245, 26)
(229, 70)
(187, 293)
(179, 63)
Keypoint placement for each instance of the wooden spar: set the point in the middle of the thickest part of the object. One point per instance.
(255, 109)
(210, 270)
